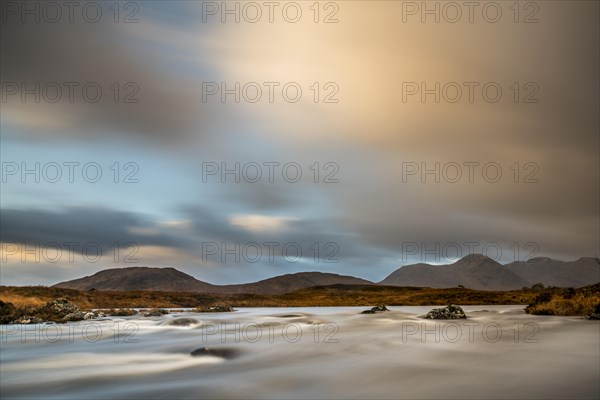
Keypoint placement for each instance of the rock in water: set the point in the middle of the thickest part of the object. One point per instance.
(379, 308)
(375, 309)
(27, 319)
(157, 312)
(59, 310)
(183, 322)
(74, 316)
(90, 315)
(449, 312)
(226, 353)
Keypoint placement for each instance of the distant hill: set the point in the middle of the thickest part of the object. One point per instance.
(292, 282)
(479, 272)
(140, 278)
(581, 272)
(474, 271)
(171, 280)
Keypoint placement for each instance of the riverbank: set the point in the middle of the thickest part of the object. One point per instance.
(551, 301)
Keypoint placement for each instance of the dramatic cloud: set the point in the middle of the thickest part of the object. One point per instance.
(384, 170)
(97, 79)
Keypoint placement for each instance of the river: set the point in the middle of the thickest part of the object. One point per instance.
(499, 352)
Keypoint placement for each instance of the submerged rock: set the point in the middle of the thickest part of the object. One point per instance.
(183, 322)
(224, 352)
(449, 312)
(157, 312)
(375, 309)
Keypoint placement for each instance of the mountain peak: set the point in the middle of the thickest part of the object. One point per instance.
(475, 258)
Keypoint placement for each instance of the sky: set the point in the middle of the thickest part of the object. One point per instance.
(350, 137)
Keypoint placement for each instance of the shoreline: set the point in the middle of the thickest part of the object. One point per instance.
(40, 303)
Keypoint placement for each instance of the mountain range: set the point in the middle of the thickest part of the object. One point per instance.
(172, 280)
(474, 271)
(483, 273)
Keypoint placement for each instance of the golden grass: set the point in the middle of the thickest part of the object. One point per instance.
(324, 296)
(554, 301)
(580, 304)
(22, 300)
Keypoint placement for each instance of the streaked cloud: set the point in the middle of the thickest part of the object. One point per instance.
(370, 135)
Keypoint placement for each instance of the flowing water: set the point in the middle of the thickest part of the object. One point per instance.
(499, 352)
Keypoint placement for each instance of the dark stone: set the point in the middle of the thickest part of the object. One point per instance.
(379, 308)
(157, 312)
(449, 312)
(224, 352)
(375, 309)
(27, 319)
(61, 307)
(75, 316)
(183, 322)
(93, 315)
(59, 310)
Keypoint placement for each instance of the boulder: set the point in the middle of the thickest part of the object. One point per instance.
(223, 352)
(59, 310)
(375, 309)
(27, 319)
(449, 312)
(157, 312)
(90, 315)
(183, 322)
(61, 307)
(74, 316)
